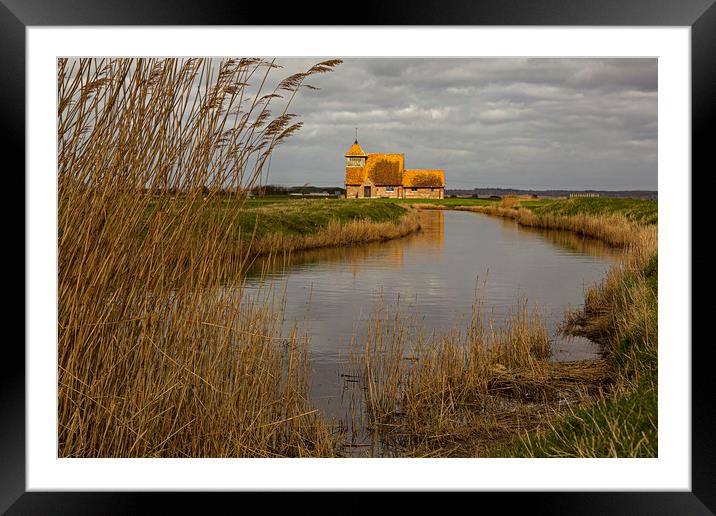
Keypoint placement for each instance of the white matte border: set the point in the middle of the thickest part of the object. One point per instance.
(670, 471)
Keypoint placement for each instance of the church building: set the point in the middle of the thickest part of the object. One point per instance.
(384, 175)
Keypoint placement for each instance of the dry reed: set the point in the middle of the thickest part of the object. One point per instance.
(509, 202)
(460, 393)
(623, 303)
(154, 358)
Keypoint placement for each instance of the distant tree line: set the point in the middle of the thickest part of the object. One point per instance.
(502, 192)
(274, 190)
(256, 191)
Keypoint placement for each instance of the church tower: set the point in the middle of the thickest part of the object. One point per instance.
(355, 168)
(355, 157)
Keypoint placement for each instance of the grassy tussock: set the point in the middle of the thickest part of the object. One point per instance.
(509, 203)
(155, 358)
(458, 394)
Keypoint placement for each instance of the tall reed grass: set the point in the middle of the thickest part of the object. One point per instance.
(459, 393)
(153, 360)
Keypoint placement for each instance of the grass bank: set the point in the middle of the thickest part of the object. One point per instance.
(621, 313)
(640, 211)
(616, 222)
(306, 224)
(285, 225)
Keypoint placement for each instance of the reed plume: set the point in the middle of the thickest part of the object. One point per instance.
(155, 357)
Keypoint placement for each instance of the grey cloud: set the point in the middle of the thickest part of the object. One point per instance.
(572, 123)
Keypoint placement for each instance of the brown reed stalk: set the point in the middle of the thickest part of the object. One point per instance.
(623, 304)
(461, 392)
(156, 357)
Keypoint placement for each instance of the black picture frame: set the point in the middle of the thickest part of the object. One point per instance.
(700, 15)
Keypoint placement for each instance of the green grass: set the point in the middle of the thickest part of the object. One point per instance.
(623, 425)
(642, 211)
(308, 216)
(294, 216)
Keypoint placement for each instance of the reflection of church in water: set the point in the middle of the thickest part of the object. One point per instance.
(430, 240)
(391, 254)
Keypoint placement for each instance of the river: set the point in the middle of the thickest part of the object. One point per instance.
(435, 275)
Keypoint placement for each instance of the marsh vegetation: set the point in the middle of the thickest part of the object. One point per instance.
(152, 361)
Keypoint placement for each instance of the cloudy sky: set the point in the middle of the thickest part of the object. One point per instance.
(522, 123)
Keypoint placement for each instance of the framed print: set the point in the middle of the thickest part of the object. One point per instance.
(418, 254)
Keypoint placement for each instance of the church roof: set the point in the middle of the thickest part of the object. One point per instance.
(389, 170)
(385, 169)
(355, 150)
(424, 179)
(380, 169)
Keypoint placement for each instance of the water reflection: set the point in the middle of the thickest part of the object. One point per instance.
(429, 241)
(572, 242)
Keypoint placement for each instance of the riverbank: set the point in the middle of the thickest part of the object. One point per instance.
(281, 226)
(610, 414)
(309, 224)
(613, 221)
(621, 314)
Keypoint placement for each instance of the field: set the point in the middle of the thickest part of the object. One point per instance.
(640, 211)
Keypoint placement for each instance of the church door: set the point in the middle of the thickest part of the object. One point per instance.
(366, 191)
